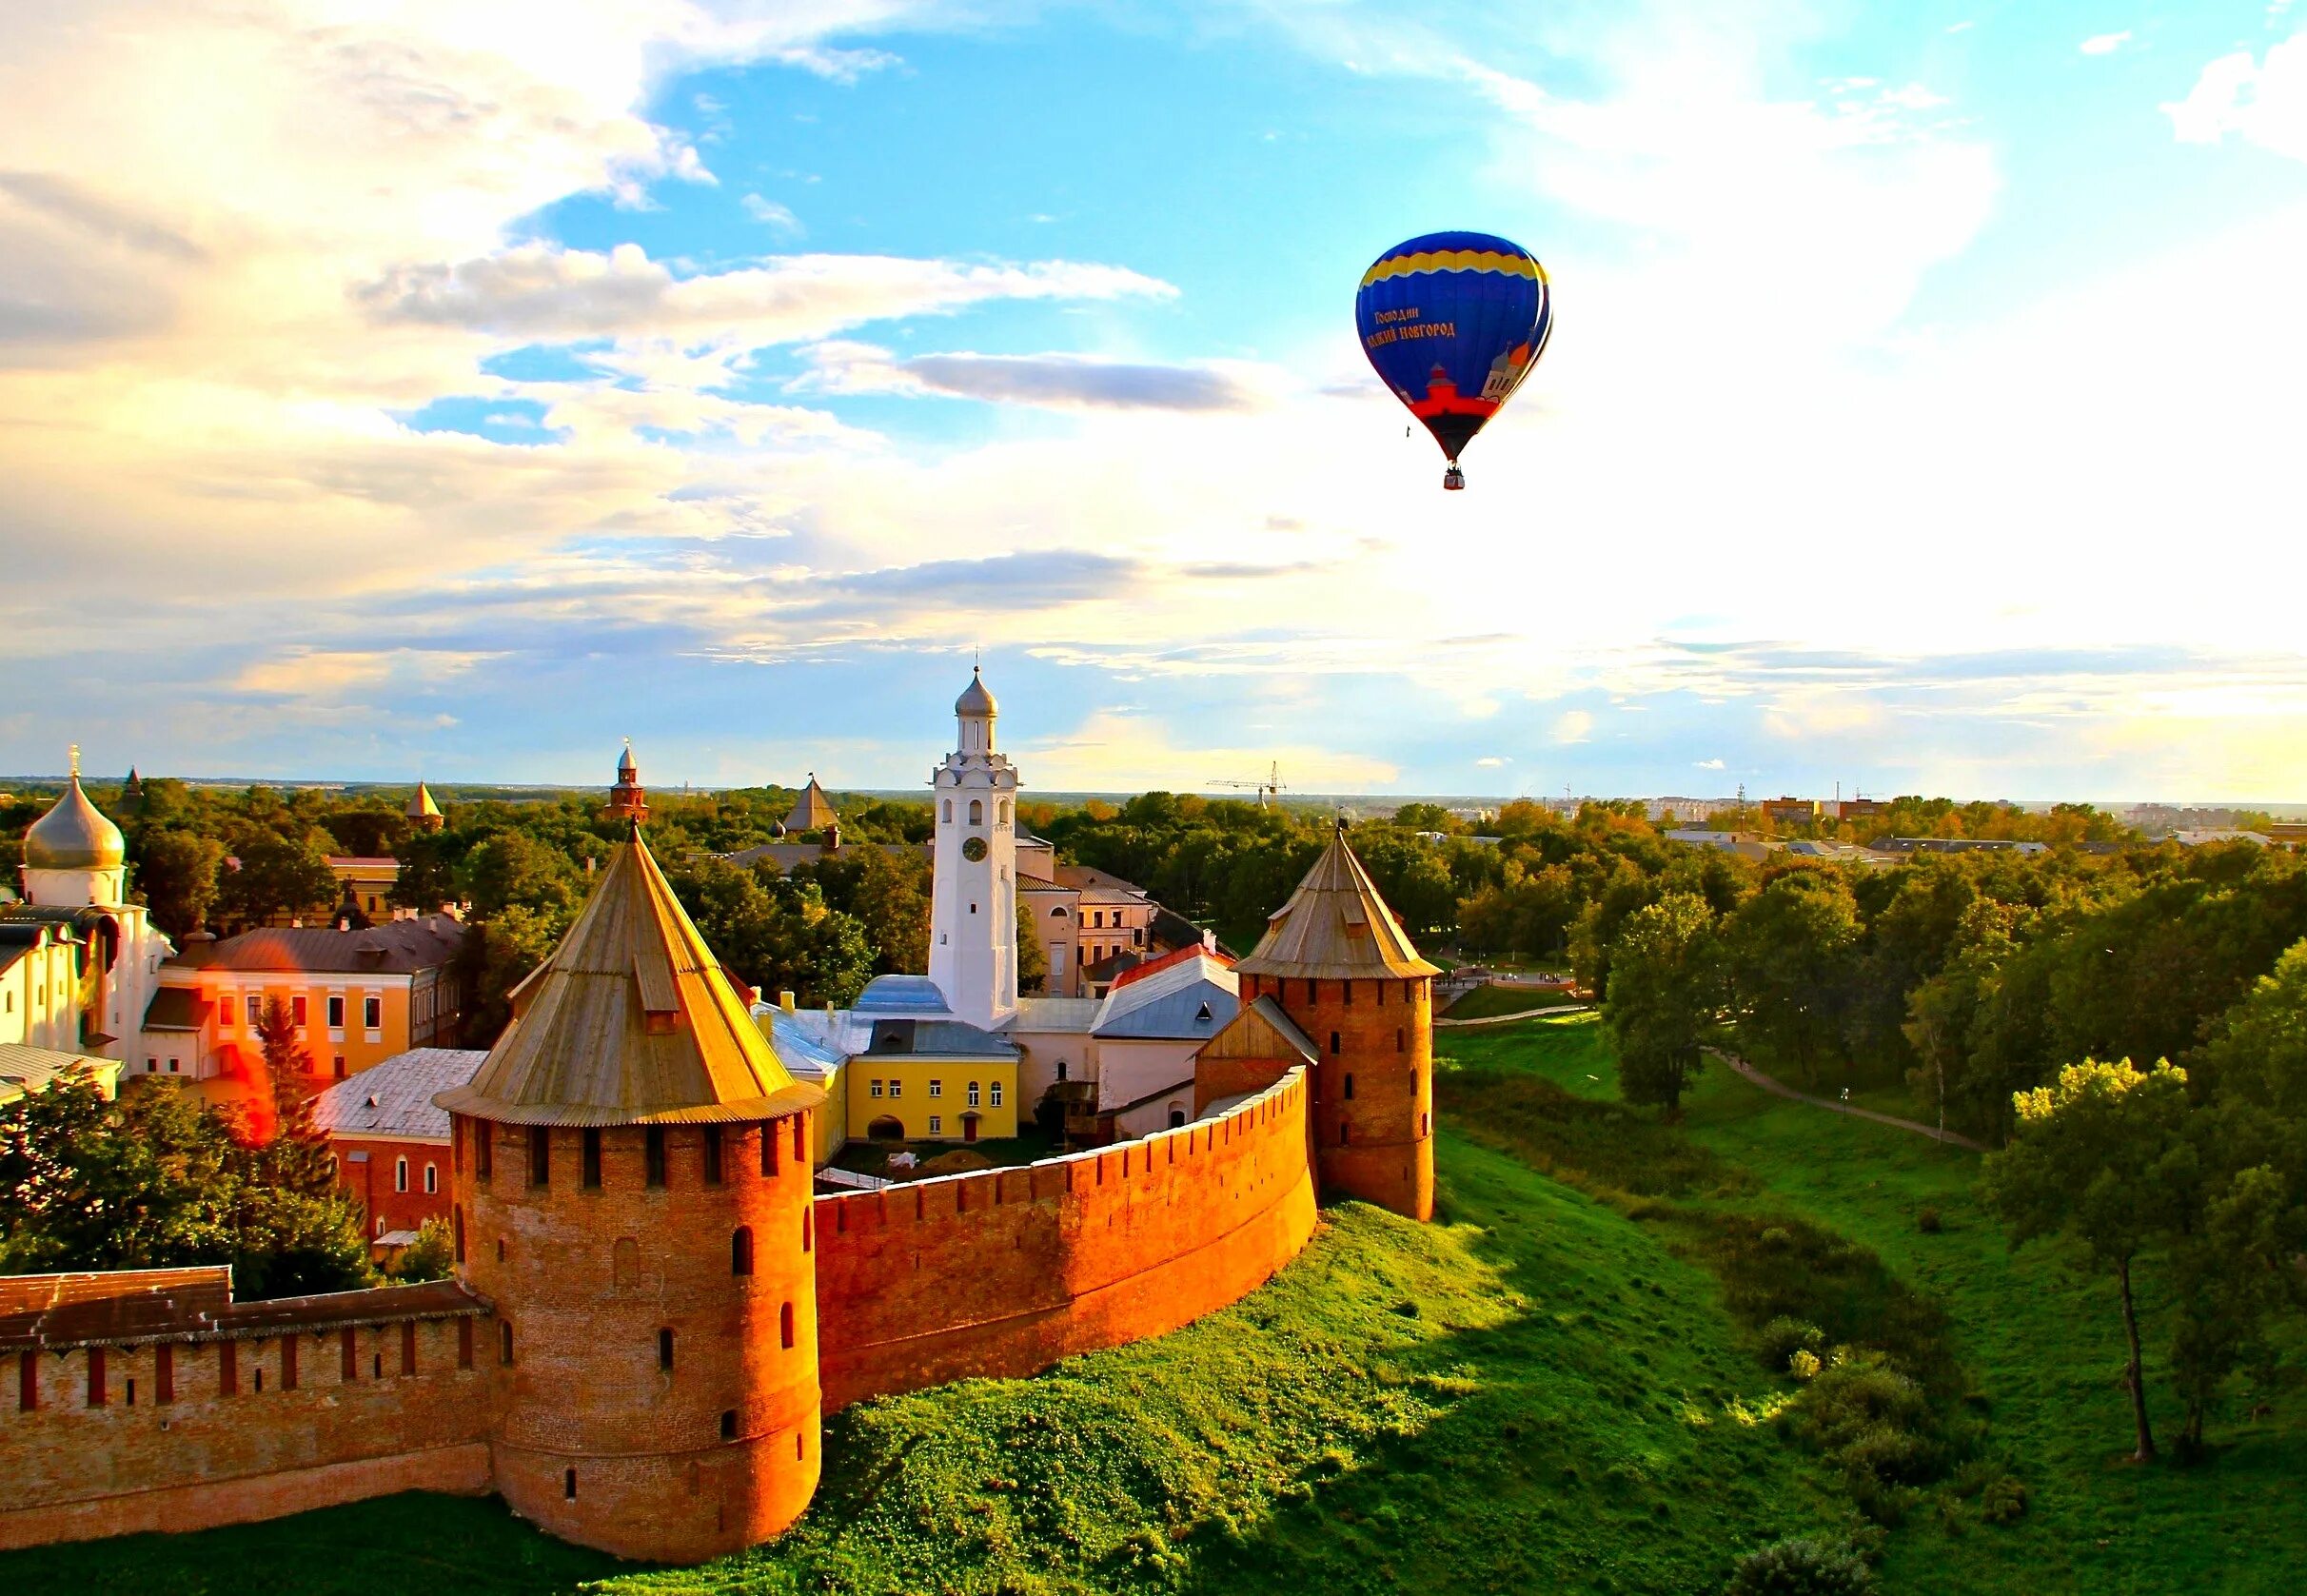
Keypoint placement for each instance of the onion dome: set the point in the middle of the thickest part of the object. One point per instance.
(74, 835)
(1336, 926)
(625, 765)
(974, 702)
(630, 1021)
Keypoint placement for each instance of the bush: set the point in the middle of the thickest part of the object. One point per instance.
(1801, 1566)
(1787, 1335)
(1929, 1222)
(1804, 1365)
(2003, 1501)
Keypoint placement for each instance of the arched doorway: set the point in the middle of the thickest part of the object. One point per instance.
(886, 1128)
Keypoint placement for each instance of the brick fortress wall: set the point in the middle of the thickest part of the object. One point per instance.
(190, 1434)
(1004, 1271)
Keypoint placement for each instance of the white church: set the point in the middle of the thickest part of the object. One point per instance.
(78, 963)
(958, 1055)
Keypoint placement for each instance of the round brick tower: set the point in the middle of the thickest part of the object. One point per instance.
(632, 1181)
(1344, 970)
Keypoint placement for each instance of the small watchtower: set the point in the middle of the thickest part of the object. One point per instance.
(632, 1190)
(1343, 968)
(628, 799)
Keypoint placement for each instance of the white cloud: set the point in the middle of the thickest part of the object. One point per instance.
(1492, 761)
(771, 214)
(1707, 764)
(1060, 380)
(2105, 44)
(2261, 103)
(1120, 751)
(1574, 726)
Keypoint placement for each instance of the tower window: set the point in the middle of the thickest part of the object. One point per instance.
(801, 1148)
(485, 1149)
(540, 1156)
(728, 1423)
(977, 812)
(806, 1228)
(590, 1172)
(1401, 1041)
(1349, 1088)
(1346, 993)
(740, 1250)
(568, 1485)
(456, 1145)
(949, 811)
(96, 1391)
(1311, 993)
(455, 1222)
(784, 1324)
(664, 1349)
(653, 1150)
(1381, 986)
(1334, 1044)
(1345, 1134)
(505, 1341)
(712, 1155)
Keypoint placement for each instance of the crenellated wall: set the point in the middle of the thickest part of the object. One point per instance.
(1004, 1271)
(240, 1435)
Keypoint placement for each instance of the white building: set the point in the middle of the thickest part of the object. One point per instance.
(78, 963)
(973, 914)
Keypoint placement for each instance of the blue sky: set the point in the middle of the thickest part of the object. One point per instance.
(451, 390)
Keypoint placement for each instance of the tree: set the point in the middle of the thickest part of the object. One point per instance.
(297, 1152)
(1792, 953)
(1033, 960)
(496, 955)
(2094, 1161)
(1665, 992)
(427, 878)
(515, 870)
(279, 874)
(176, 871)
(431, 1256)
(159, 1180)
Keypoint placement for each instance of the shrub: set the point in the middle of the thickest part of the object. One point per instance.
(1928, 1222)
(1787, 1335)
(1804, 1365)
(1800, 1567)
(2003, 1501)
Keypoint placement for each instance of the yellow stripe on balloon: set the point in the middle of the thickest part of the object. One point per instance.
(1454, 259)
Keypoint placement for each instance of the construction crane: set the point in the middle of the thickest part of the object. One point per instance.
(1269, 789)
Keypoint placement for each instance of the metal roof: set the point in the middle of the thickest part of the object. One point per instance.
(394, 1099)
(915, 995)
(26, 1069)
(933, 1039)
(813, 810)
(176, 1008)
(631, 1020)
(421, 805)
(1193, 998)
(395, 948)
(1335, 925)
(74, 836)
(1036, 1016)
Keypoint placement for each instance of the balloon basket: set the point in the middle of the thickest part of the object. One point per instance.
(1454, 480)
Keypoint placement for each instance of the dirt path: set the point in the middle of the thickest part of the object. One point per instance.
(1779, 1088)
(1527, 1014)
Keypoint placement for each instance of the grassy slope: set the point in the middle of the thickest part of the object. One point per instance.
(1533, 1395)
(2043, 1345)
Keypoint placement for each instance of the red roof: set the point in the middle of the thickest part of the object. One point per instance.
(1176, 955)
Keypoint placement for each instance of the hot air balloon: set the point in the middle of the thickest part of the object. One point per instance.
(1453, 323)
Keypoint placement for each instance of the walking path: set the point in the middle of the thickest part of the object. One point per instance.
(1779, 1088)
(1527, 1014)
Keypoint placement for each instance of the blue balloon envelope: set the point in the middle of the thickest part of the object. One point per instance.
(1453, 323)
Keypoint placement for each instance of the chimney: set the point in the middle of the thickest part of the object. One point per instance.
(785, 1001)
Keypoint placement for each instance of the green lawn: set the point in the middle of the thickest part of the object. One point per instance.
(2042, 1348)
(1545, 1390)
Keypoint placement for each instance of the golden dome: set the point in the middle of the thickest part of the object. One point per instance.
(74, 836)
(974, 702)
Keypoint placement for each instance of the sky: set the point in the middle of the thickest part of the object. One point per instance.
(448, 390)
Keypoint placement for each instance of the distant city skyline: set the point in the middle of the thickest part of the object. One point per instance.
(454, 391)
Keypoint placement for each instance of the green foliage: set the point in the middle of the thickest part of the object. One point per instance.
(1792, 953)
(1665, 993)
(1033, 962)
(1489, 1002)
(431, 1256)
(1800, 1567)
(177, 871)
(157, 1180)
(281, 872)
(775, 934)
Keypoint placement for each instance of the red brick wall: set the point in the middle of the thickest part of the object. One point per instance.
(371, 1183)
(1377, 1144)
(588, 1279)
(205, 1458)
(1005, 1272)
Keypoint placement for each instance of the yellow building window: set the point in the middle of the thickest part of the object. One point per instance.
(937, 1089)
(876, 1089)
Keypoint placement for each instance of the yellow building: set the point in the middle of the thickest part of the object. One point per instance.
(357, 997)
(899, 1064)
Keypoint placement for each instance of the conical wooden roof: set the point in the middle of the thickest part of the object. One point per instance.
(421, 805)
(631, 1021)
(1335, 927)
(813, 810)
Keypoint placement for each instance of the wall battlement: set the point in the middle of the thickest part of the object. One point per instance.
(1005, 1272)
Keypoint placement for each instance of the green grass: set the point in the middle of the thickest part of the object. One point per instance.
(2041, 1347)
(1489, 1002)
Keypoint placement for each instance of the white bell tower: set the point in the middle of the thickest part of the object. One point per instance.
(973, 914)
